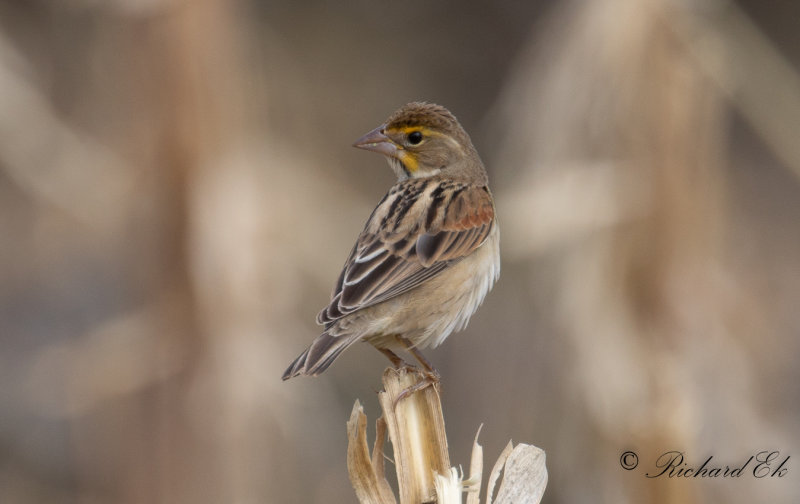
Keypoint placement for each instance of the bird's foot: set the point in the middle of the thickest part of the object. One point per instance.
(429, 378)
(395, 359)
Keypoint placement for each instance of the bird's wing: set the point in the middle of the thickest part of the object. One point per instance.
(420, 228)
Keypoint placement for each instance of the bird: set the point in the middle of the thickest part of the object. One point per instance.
(428, 254)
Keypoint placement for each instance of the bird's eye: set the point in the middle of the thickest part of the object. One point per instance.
(415, 137)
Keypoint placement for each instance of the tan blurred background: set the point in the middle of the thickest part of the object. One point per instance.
(178, 193)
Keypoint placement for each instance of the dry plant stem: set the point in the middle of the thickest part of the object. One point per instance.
(475, 471)
(366, 474)
(416, 429)
(524, 478)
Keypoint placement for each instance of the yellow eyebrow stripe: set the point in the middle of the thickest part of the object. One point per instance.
(407, 130)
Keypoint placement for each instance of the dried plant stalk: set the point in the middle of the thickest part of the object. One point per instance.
(524, 477)
(366, 474)
(416, 429)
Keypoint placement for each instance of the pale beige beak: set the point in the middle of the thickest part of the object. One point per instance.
(377, 141)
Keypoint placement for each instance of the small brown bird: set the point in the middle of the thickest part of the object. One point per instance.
(429, 252)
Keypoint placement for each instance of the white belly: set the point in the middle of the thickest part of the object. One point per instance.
(426, 315)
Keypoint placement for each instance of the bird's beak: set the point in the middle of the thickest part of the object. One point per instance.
(377, 141)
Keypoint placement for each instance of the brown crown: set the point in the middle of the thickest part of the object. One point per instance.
(423, 114)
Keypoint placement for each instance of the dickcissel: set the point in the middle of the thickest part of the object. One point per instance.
(429, 252)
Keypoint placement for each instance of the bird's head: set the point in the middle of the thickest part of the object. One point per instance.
(422, 140)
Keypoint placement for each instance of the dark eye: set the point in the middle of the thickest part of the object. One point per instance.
(415, 137)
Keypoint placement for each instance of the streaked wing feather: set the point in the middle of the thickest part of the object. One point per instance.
(354, 294)
(409, 282)
(410, 238)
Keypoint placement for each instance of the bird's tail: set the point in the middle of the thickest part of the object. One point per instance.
(316, 358)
